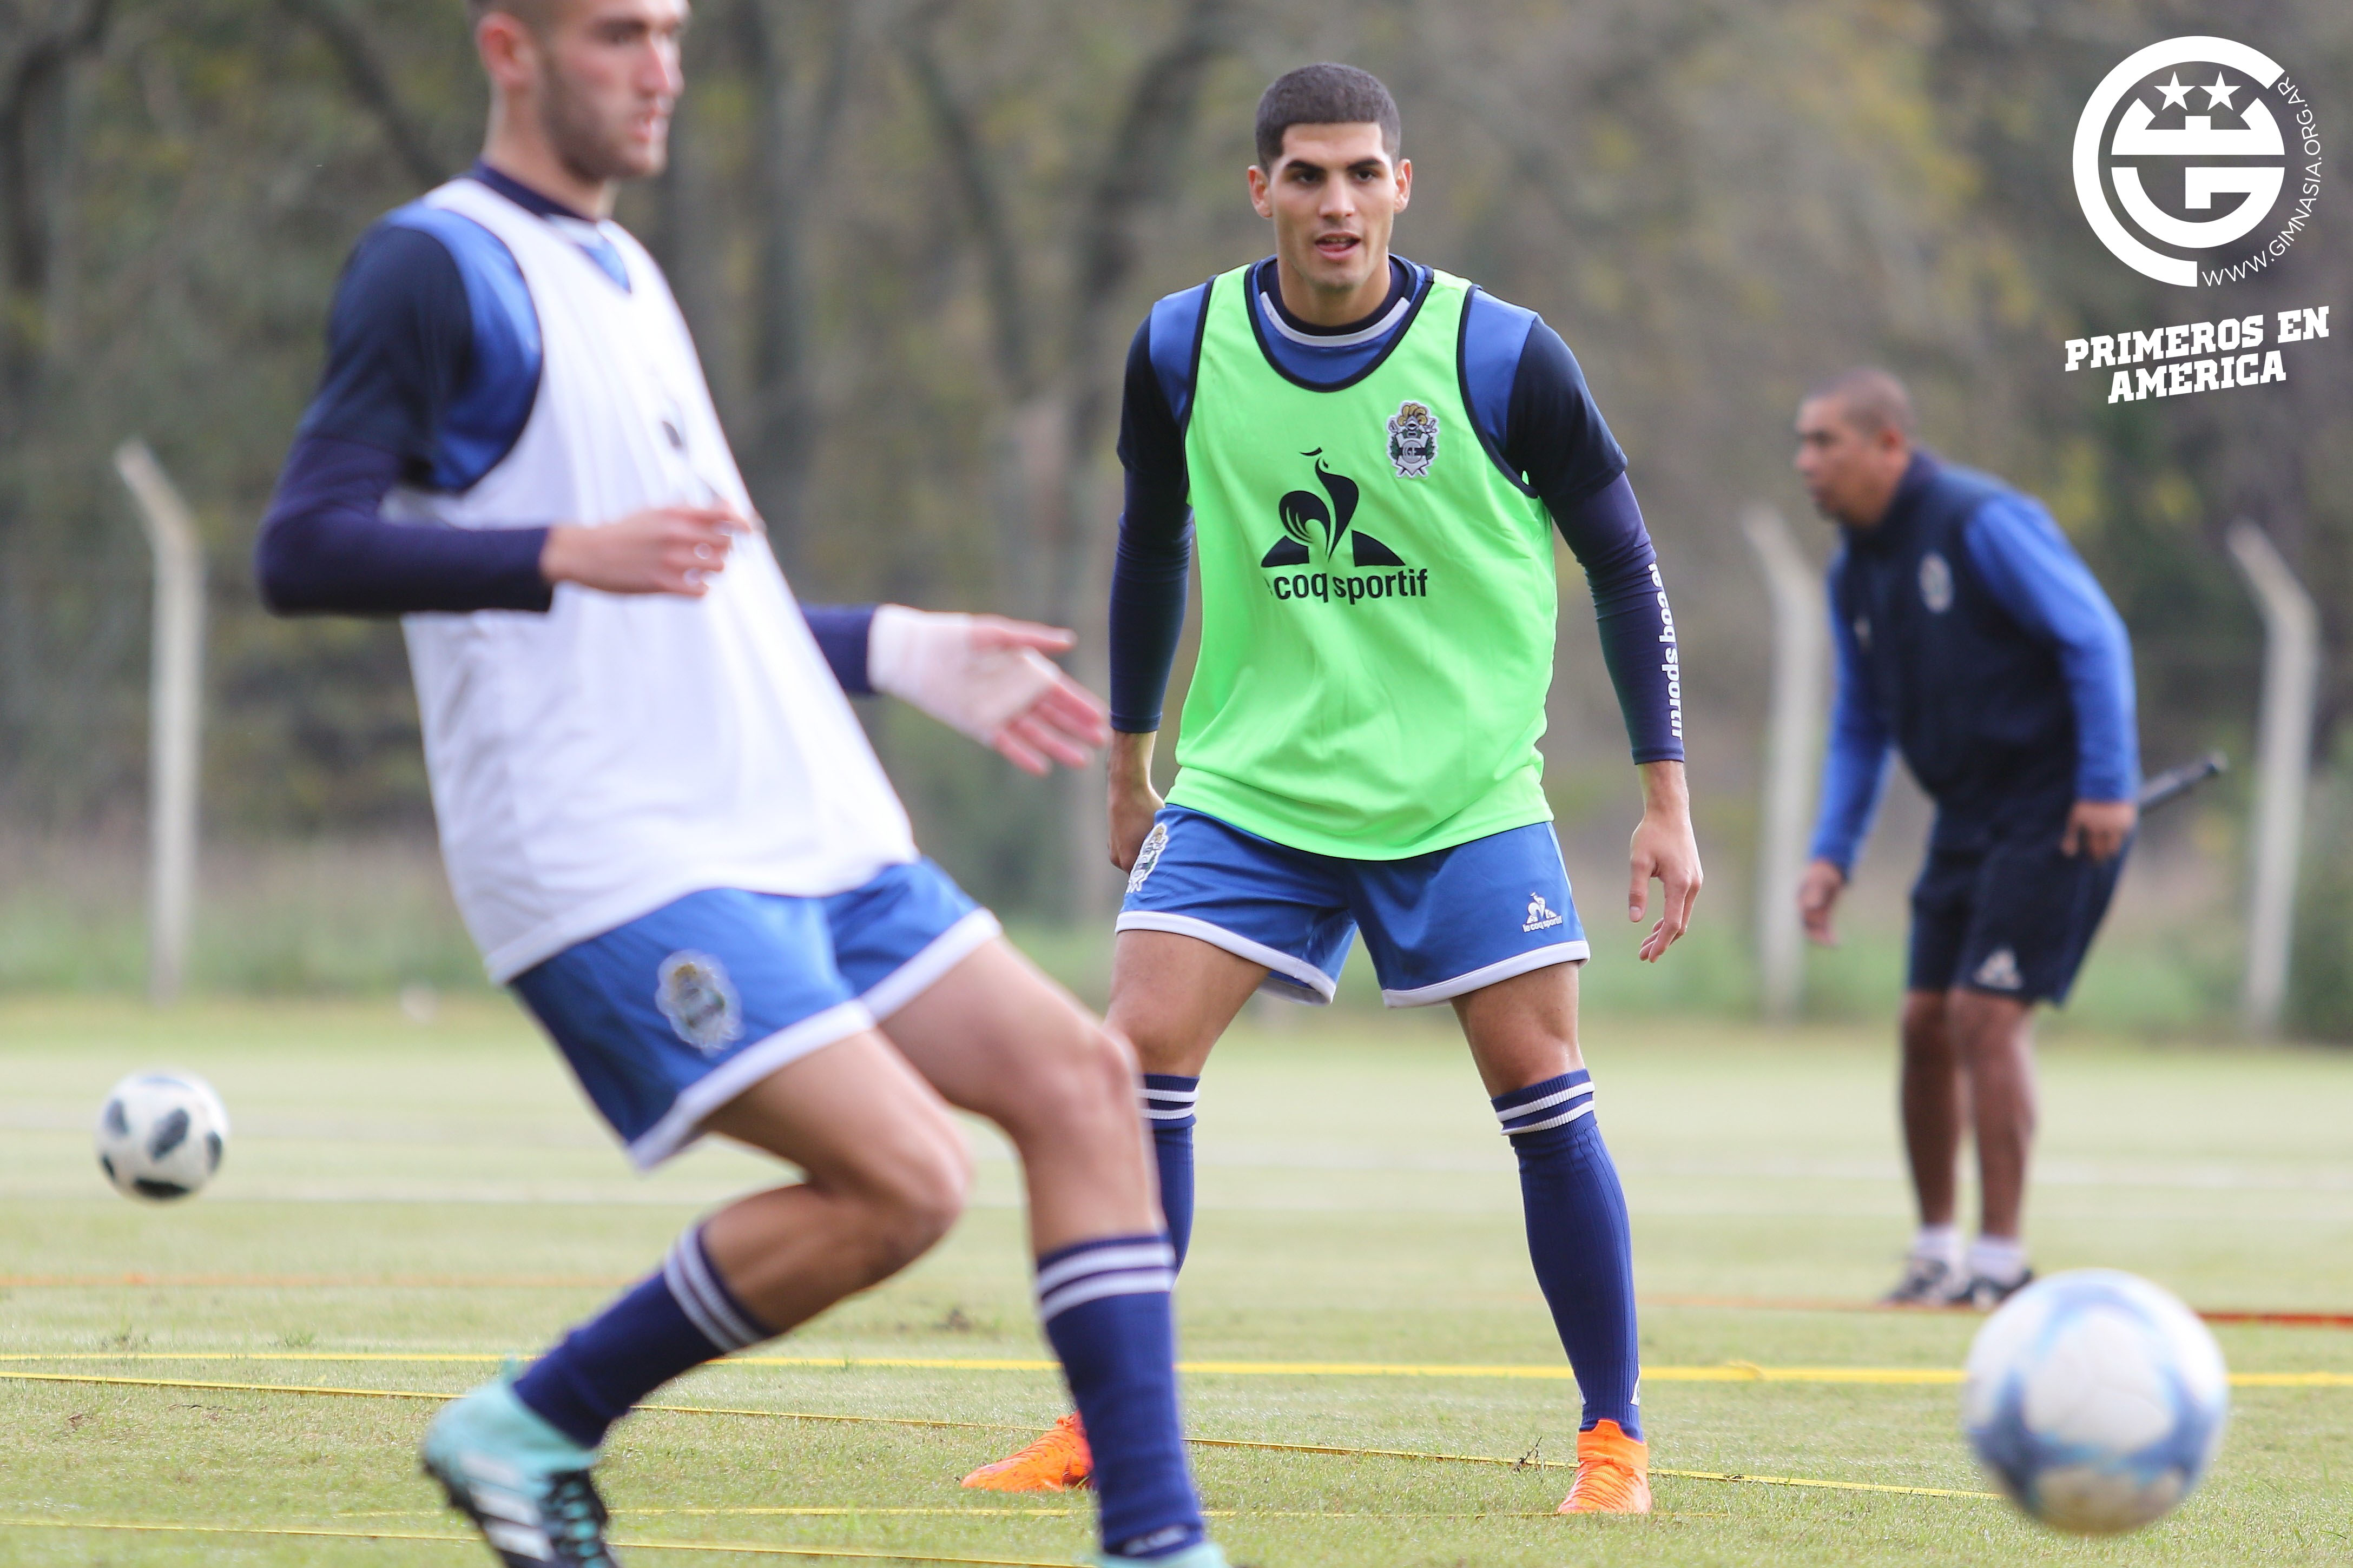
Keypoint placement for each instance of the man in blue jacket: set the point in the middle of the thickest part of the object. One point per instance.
(1972, 638)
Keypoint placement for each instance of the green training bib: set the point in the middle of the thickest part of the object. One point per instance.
(1377, 599)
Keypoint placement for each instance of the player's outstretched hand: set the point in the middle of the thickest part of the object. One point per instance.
(1818, 896)
(2099, 828)
(989, 678)
(1664, 848)
(661, 550)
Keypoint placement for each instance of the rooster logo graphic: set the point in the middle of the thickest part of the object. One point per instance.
(1313, 524)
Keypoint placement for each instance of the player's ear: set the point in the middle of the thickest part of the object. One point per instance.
(506, 49)
(1261, 191)
(1404, 183)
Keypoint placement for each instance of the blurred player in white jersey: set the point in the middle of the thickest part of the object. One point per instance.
(662, 822)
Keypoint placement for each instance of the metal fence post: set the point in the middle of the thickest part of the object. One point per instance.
(176, 715)
(2291, 684)
(1799, 648)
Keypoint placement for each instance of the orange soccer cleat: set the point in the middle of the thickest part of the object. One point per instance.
(1060, 1461)
(1613, 1473)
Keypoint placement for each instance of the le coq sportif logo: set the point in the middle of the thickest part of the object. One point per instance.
(1305, 563)
(1315, 525)
(2198, 161)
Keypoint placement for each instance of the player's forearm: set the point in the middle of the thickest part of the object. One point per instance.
(1853, 777)
(1129, 758)
(1606, 533)
(324, 549)
(1666, 792)
(2099, 674)
(2045, 587)
(1147, 603)
(844, 635)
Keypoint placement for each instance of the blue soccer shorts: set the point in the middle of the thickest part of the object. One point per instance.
(2014, 917)
(669, 1017)
(1437, 925)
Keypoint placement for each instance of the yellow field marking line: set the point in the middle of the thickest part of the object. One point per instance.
(1521, 1464)
(2261, 1317)
(855, 1512)
(206, 1385)
(2268, 1317)
(1727, 1371)
(711, 1548)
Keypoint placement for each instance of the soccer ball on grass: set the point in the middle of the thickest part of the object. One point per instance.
(159, 1135)
(2096, 1399)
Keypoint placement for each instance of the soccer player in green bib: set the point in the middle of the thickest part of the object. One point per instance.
(1372, 458)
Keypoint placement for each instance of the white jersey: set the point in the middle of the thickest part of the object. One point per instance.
(594, 762)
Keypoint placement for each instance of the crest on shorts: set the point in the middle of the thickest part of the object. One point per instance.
(1148, 856)
(1413, 440)
(695, 995)
(1936, 582)
(1541, 915)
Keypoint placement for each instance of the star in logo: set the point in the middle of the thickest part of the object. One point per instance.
(2220, 93)
(2176, 96)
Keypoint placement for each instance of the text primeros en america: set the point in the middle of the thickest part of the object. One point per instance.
(2195, 356)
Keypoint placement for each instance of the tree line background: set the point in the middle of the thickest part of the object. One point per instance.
(914, 236)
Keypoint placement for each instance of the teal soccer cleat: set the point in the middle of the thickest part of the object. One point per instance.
(525, 1484)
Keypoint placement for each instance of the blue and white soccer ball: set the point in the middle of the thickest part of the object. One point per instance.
(2096, 1399)
(160, 1135)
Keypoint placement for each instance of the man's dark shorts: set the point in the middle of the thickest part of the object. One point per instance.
(2013, 917)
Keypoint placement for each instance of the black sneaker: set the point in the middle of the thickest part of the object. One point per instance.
(1985, 1293)
(1927, 1282)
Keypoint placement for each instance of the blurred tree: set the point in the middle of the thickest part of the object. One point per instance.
(912, 235)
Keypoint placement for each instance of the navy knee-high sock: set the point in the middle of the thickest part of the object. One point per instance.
(1579, 1241)
(1168, 1100)
(667, 1324)
(1105, 1305)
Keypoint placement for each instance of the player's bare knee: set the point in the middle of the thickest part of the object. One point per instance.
(1924, 1017)
(1981, 1024)
(1086, 1086)
(1161, 1051)
(1103, 1075)
(916, 1200)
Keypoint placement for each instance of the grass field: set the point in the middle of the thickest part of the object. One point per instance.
(436, 1191)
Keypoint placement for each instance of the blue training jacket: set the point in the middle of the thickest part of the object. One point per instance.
(1972, 638)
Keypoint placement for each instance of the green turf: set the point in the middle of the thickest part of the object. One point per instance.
(439, 1188)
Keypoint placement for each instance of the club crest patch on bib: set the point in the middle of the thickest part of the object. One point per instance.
(695, 995)
(1413, 440)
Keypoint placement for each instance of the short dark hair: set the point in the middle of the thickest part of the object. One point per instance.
(533, 13)
(1324, 94)
(1873, 399)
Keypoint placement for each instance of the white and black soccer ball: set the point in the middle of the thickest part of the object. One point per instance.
(160, 1135)
(2096, 1399)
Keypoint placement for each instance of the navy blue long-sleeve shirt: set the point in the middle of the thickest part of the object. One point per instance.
(433, 365)
(1530, 398)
